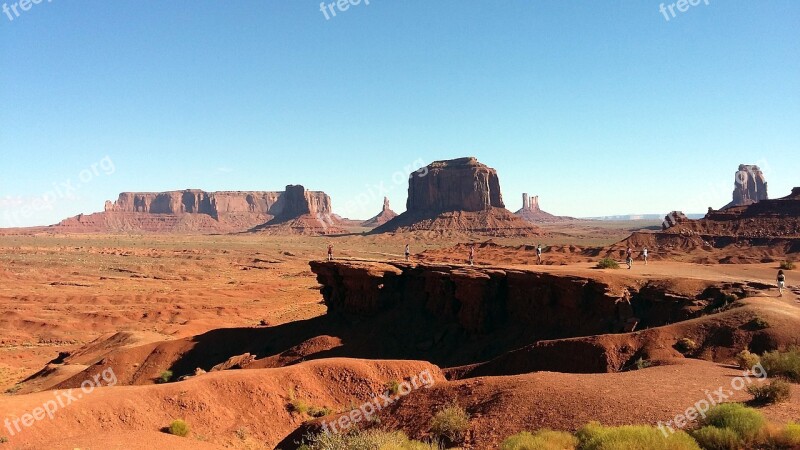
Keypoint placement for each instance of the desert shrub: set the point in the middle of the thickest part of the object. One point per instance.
(607, 263)
(713, 438)
(789, 436)
(686, 345)
(450, 424)
(747, 423)
(721, 304)
(393, 387)
(787, 265)
(165, 376)
(14, 389)
(298, 406)
(179, 427)
(365, 440)
(783, 364)
(759, 323)
(632, 437)
(747, 360)
(643, 364)
(314, 411)
(775, 392)
(541, 440)
(3, 439)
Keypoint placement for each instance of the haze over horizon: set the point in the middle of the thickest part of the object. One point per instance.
(603, 110)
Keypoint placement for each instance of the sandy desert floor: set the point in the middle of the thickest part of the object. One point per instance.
(59, 294)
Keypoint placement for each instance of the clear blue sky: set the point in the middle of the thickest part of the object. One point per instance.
(599, 107)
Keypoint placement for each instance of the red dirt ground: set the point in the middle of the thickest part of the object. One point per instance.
(93, 295)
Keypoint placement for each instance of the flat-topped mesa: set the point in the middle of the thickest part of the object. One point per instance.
(750, 186)
(459, 195)
(294, 201)
(462, 184)
(194, 210)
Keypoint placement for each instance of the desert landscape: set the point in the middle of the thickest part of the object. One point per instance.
(224, 311)
(399, 225)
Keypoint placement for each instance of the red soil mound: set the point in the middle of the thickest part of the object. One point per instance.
(215, 405)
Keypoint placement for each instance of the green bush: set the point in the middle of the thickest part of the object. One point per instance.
(165, 376)
(783, 364)
(298, 406)
(365, 440)
(314, 411)
(713, 438)
(775, 392)
(790, 436)
(179, 427)
(607, 263)
(450, 424)
(393, 387)
(747, 423)
(632, 437)
(541, 440)
(643, 364)
(787, 265)
(759, 323)
(747, 360)
(686, 345)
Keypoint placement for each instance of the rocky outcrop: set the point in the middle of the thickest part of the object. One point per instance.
(750, 186)
(778, 218)
(491, 299)
(297, 209)
(531, 211)
(384, 216)
(457, 196)
(672, 219)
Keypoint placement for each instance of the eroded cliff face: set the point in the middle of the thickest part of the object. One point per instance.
(750, 186)
(490, 300)
(210, 212)
(777, 218)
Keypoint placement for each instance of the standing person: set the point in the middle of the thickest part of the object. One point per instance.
(781, 282)
(539, 254)
(471, 254)
(644, 255)
(629, 258)
(330, 252)
(408, 251)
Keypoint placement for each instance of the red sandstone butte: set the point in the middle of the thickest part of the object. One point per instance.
(459, 195)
